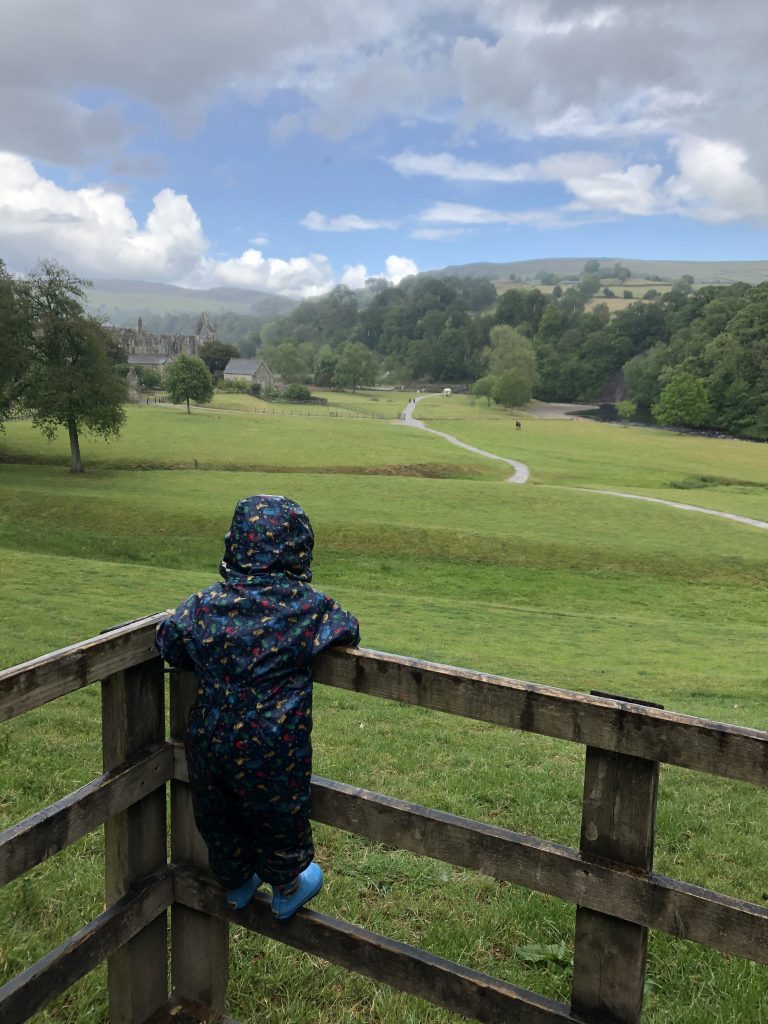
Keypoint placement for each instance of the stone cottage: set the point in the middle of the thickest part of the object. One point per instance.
(254, 371)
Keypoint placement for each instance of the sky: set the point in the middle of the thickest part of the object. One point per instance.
(293, 146)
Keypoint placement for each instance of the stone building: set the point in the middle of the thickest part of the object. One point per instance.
(158, 351)
(254, 371)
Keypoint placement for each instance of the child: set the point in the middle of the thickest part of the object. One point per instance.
(251, 641)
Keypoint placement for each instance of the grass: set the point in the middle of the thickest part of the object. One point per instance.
(542, 582)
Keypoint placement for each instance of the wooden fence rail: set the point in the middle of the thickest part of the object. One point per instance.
(609, 878)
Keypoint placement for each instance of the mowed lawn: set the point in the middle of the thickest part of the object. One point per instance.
(547, 583)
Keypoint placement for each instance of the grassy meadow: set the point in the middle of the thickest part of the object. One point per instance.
(440, 559)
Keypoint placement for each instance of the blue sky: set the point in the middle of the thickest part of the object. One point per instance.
(289, 147)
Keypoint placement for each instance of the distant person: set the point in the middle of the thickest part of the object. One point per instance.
(518, 425)
(251, 641)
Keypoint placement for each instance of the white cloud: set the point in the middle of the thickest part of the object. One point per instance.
(346, 222)
(632, 191)
(398, 267)
(437, 234)
(354, 277)
(451, 168)
(300, 277)
(95, 227)
(93, 231)
(714, 182)
(467, 215)
(259, 240)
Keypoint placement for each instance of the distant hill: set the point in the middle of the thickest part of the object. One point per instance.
(703, 271)
(121, 302)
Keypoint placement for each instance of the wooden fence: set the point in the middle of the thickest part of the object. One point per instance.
(609, 878)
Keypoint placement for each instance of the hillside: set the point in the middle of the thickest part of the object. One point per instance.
(122, 302)
(702, 271)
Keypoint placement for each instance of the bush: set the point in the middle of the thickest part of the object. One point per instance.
(296, 393)
(240, 387)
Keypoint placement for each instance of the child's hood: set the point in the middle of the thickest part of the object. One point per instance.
(269, 535)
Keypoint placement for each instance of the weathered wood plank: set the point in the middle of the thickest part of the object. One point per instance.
(29, 842)
(721, 922)
(713, 747)
(41, 680)
(36, 986)
(442, 982)
(618, 824)
(199, 942)
(720, 749)
(135, 840)
(691, 912)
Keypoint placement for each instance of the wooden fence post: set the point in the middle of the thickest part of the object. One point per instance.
(135, 844)
(618, 825)
(199, 942)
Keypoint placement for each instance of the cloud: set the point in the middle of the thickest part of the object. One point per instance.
(714, 183)
(354, 277)
(94, 227)
(467, 215)
(398, 267)
(300, 277)
(437, 234)
(94, 231)
(346, 222)
(711, 180)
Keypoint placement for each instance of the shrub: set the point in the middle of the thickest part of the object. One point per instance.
(296, 393)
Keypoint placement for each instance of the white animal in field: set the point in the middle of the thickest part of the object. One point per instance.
(447, 392)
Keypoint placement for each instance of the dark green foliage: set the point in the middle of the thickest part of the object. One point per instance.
(684, 402)
(149, 378)
(356, 365)
(216, 355)
(15, 338)
(296, 393)
(70, 380)
(188, 379)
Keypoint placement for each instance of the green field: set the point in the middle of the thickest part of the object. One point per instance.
(441, 560)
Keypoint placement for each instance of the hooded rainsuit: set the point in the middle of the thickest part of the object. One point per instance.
(251, 641)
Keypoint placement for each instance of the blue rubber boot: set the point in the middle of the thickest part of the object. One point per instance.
(285, 905)
(239, 898)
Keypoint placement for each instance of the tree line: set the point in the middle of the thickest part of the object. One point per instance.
(691, 358)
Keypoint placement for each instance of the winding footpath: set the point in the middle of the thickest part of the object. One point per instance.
(407, 418)
(522, 473)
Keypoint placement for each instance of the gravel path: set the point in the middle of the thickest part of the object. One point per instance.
(522, 473)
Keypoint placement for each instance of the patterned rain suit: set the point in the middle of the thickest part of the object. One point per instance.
(251, 641)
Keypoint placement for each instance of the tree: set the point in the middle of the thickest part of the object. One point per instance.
(325, 366)
(356, 365)
(509, 390)
(149, 378)
(70, 380)
(15, 339)
(288, 363)
(626, 409)
(684, 402)
(188, 378)
(512, 353)
(483, 388)
(216, 355)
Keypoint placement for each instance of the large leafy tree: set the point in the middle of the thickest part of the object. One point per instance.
(356, 365)
(684, 402)
(15, 338)
(216, 355)
(70, 380)
(188, 379)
